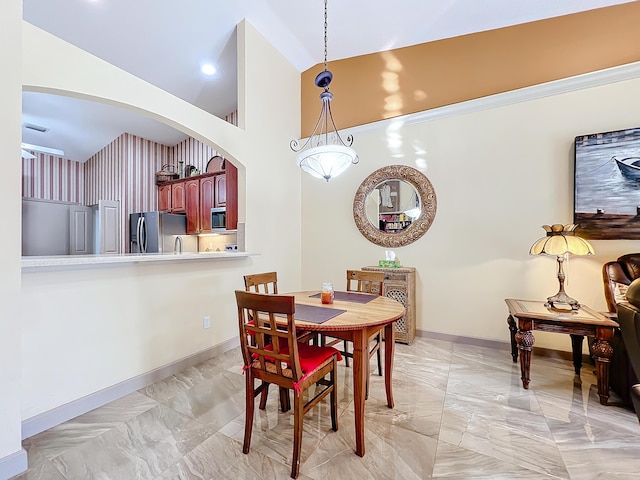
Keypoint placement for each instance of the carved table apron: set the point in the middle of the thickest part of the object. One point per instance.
(527, 315)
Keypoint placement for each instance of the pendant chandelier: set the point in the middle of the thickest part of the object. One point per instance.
(325, 154)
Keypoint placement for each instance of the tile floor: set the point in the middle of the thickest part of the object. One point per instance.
(461, 413)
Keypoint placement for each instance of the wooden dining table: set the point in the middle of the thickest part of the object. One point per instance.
(357, 318)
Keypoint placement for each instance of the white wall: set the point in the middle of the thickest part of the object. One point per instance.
(499, 174)
(10, 114)
(88, 329)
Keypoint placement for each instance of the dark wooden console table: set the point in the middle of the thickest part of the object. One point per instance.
(528, 315)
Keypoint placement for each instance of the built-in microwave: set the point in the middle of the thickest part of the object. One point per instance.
(218, 217)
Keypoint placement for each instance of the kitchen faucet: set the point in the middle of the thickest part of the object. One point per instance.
(178, 241)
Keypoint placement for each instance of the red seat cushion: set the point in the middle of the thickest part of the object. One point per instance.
(250, 332)
(310, 356)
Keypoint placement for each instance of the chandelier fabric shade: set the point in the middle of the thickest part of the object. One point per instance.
(325, 154)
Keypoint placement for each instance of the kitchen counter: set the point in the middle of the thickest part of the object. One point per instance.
(35, 264)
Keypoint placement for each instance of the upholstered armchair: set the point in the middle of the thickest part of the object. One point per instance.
(617, 276)
(629, 319)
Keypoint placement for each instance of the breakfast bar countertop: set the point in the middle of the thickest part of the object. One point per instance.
(34, 264)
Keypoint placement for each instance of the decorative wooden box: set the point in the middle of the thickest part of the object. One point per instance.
(400, 284)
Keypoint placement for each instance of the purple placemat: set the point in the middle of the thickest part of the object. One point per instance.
(354, 297)
(313, 314)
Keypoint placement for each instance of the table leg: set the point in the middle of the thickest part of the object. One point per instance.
(389, 347)
(525, 340)
(360, 360)
(513, 328)
(576, 348)
(603, 351)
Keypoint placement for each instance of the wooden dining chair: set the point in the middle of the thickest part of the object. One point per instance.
(363, 282)
(267, 283)
(283, 361)
(261, 282)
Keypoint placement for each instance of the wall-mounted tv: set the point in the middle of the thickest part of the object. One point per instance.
(607, 185)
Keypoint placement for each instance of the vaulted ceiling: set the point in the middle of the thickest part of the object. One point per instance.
(165, 42)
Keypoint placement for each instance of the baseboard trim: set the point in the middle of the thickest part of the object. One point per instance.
(478, 342)
(499, 345)
(56, 416)
(13, 464)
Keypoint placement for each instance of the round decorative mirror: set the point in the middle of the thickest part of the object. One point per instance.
(394, 206)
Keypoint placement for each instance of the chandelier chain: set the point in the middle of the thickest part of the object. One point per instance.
(325, 154)
(325, 34)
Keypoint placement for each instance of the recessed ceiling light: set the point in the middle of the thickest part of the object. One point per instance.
(208, 69)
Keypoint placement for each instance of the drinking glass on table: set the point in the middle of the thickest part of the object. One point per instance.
(326, 294)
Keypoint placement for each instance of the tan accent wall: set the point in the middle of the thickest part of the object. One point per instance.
(397, 82)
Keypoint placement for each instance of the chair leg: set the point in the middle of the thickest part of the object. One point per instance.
(263, 396)
(346, 358)
(248, 420)
(285, 401)
(298, 417)
(333, 396)
(366, 385)
(379, 340)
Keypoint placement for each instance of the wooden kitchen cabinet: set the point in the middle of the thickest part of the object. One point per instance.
(192, 205)
(231, 195)
(221, 190)
(164, 198)
(207, 201)
(196, 196)
(178, 200)
(214, 193)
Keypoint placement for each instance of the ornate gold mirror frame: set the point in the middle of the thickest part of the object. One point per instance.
(418, 227)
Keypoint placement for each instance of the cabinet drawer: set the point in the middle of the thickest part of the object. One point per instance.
(395, 277)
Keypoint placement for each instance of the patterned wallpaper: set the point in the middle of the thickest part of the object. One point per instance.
(49, 177)
(192, 152)
(123, 171)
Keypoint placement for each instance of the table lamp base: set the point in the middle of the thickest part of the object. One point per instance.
(560, 300)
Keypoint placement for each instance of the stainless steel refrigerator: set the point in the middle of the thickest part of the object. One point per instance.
(159, 232)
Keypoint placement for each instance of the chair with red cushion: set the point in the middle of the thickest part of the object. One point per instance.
(261, 282)
(268, 283)
(284, 362)
(363, 282)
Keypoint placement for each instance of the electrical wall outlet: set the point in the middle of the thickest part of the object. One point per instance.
(206, 322)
